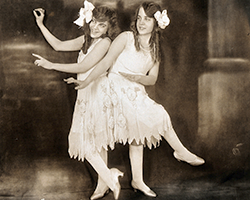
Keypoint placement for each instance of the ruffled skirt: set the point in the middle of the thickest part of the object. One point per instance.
(90, 130)
(136, 116)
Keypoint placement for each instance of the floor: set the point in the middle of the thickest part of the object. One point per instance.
(59, 178)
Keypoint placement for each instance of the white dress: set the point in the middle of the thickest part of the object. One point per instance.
(90, 131)
(136, 116)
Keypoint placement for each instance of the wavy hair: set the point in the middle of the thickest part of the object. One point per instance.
(150, 9)
(102, 13)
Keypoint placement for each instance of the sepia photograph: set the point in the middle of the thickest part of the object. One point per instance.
(124, 99)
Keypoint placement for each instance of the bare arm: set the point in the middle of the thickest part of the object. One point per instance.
(115, 50)
(97, 53)
(149, 79)
(58, 45)
(152, 76)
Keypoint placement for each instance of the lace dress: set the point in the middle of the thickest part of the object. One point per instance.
(136, 116)
(89, 130)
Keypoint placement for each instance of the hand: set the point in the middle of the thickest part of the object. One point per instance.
(131, 77)
(42, 62)
(79, 84)
(39, 14)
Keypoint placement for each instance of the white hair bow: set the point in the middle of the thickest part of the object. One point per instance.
(85, 13)
(162, 19)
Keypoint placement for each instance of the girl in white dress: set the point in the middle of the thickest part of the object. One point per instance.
(133, 59)
(87, 139)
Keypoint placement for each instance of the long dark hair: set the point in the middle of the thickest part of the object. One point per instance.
(150, 9)
(102, 13)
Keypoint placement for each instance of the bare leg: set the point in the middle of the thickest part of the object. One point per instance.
(136, 160)
(180, 152)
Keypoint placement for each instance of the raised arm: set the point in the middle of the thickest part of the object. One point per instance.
(58, 45)
(115, 50)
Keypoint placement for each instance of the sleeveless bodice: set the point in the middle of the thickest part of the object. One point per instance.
(81, 56)
(131, 60)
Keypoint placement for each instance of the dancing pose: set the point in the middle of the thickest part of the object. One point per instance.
(87, 139)
(133, 61)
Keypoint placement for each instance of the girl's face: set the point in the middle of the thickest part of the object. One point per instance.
(144, 23)
(97, 29)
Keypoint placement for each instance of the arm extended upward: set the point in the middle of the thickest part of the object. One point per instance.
(58, 45)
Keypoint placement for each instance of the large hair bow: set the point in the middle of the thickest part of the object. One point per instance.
(162, 19)
(85, 14)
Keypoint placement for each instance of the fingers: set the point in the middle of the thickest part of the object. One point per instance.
(131, 77)
(35, 55)
(70, 80)
(35, 13)
(76, 82)
(39, 11)
(37, 63)
(79, 87)
(128, 76)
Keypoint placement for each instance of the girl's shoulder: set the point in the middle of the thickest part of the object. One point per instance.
(126, 36)
(107, 39)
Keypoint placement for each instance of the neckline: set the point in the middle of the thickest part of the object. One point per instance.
(147, 49)
(96, 41)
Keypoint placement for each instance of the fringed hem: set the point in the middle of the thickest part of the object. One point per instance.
(80, 156)
(152, 142)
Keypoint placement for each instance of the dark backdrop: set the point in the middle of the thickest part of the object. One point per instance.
(36, 105)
